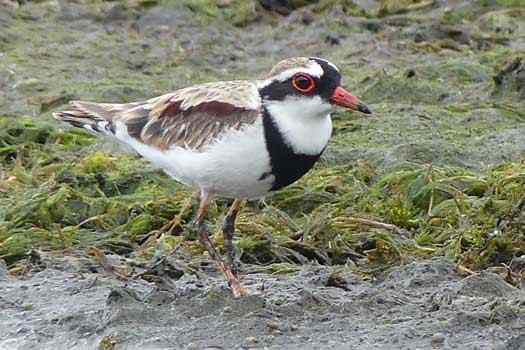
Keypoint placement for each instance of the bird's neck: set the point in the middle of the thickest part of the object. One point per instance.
(305, 126)
(290, 156)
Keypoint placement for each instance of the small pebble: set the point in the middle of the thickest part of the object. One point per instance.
(23, 330)
(437, 340)
(273, 325)
(395, 339)
(307, 17)
(251, 340)
(332, 39)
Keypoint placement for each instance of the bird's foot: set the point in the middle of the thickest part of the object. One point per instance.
(233, 281)
(231, 271)
(231, 260)
(231, 276)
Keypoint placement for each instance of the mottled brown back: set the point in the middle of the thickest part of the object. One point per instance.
(192, 118)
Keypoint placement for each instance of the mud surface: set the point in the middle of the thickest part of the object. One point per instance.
(441, 161)
(420, 305)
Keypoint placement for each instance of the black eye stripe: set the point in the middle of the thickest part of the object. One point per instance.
(330, 79)
(324, 85)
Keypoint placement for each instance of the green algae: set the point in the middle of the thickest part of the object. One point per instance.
(455, 209)
(424, 164)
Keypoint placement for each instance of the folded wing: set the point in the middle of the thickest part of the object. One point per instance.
(192, 118)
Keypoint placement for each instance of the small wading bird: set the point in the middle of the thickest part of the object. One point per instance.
(235, 139)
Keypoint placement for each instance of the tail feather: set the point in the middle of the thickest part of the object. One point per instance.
(94, 117)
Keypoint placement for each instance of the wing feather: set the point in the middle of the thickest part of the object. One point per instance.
(196, 116)
(192, 118)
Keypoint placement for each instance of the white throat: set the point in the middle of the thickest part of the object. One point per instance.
(304, 122)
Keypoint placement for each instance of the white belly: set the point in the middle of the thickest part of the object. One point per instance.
(230, 167)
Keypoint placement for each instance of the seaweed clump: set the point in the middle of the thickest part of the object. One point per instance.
(439, 172)
(55, 198)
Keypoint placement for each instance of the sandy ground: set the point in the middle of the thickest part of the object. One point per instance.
(420, 305)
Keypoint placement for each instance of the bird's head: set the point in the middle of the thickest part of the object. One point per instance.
(312, 85)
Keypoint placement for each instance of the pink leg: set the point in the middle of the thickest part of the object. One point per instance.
(204, 238)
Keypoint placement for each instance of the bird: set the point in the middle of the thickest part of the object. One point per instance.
(240, 139)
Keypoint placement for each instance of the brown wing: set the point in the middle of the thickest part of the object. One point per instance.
(193, 117)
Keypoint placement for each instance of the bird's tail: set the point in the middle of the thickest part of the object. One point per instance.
(94, 117)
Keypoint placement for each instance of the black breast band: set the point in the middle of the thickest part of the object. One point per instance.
(287, 166)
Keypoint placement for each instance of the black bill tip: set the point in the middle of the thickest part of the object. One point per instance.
(361, 107)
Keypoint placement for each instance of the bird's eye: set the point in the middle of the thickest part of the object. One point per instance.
(303, 83)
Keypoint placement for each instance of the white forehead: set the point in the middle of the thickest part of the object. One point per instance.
(312, 68)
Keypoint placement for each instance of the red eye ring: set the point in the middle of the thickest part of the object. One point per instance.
(303, 83)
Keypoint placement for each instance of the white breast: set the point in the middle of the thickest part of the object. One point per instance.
(230, 167)
(304, 122)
